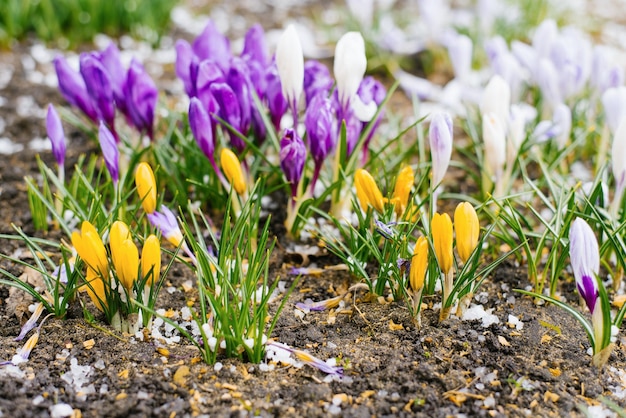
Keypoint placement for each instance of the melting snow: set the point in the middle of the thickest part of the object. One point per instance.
(477, 312)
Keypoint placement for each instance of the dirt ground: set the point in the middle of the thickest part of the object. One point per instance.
(537, 366)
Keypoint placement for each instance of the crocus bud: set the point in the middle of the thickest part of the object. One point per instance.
(232, 170)
(73, 89)
(562, 119)
(151, 260)
(497, 99)
(255, 47)
(186, 66)
(320, 126)
(290, 64)
(317, 80)
(56, 135)
(110, 59)
(238, 79)
(229, 111)
(208, 73)
(440, 136)
(495, 145)
(441, 227)
(109, 151)
(292, 159)
(212, 44)
(614, 103)
(585, 259)
(402, 189)
(467, 228)
(146, 187)
(166, 222)
(548, 80)
(276, 101)
(371, 93)
(96, 288)
(460, 53)
(99, 88)
(618, 164)
(419, 264)
(349, 66)
(124, 254)
(90, 248)
(200, 124)
(367, 191)
(141, 98)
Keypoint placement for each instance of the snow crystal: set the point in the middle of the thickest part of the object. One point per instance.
(99, 364)
(78, 376)
(489, 402)
(514, 321)
(476, 312)
(61, 410)
(8, 147)
(38, 400)
(218, 366)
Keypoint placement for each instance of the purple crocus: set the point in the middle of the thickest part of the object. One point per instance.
(165, 221)
(585, 259)
(186, 66)
(440, 136)
(56, 135)
(109, 151)
(239, 81)
(292, 159)
(317, 80)
(229, 111)
(276, 101)
(201, 127)
(141, 98)
(212, 44)
(255, 47)
(320, 124)
(110, 59)
(208, 73)
(99, 88)
(73, 89)
(371, 91)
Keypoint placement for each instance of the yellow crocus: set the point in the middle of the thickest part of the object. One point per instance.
(367, 191)
(146, 187)
(467, 229)
(117, 234)
(127, 265)
(402, 189)
(151, 260)
(95, 289)
(90, 248)
(442, 241)
(232, 170)
(419, 263)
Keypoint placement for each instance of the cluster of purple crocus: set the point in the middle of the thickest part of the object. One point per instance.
(102, 86)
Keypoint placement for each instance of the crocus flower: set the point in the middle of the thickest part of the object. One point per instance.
(618, 165)
(367, 191)
(460, 53)
(141, 98)
(109, 151)
(208, 73)
(98, 85)
(290, 64)
(90, 248)
(320, 124)
(110, 59)
(96, 289)
(233, 171)
(276, 102)
(321, 305)
(186, 66)
(440, 136)
(442, 241)
(151, 260)
(238, 79)
(349, 66)
(562, 118)
(371, 93)
(308, 359)
(614, 103)
(229, 111)
(212, 44)
(201, 127)
(24, 352)
(496, 99)
(419, 264)
(166, 222)
(146, 187)
(31, 323)
(467, 229)
(255, 47)
(495, 144)
(317, 80)
(385, 229)
(292, 159)
(124, 254)
(402, 189)
(73, 89)
(55, 132)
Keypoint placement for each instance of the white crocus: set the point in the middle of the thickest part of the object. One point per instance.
(440, 137)
(349, 66)
(563, 119)
(290, 64)
(614, 103)
(497, 99)
(495, 145)
(618, 155)
(460, 49)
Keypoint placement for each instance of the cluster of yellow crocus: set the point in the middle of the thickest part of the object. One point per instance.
(466, 228)
(124, 257)
(369, 194)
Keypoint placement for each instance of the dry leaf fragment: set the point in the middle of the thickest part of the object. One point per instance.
(619, 300)
(550, 396)
(123, 374)
(555, 372)
(545, 338)
(395, 327)
(503, 341)
(89, 344)
(180, 376)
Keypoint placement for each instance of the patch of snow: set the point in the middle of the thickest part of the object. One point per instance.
(477, 312)
(40, 144)
(514, 321)
(8, 147)
(218, 366)
(61, 410)
(11, 371)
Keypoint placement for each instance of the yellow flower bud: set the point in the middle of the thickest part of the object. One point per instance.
(90, 248)
(117, 234)
(146, 187)
(367, 191)
(441, 226)
(467, 230)
(151, 260)
(127, 266)
(402, 189)
(419, 263)
(232, 170)
(95, 289)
